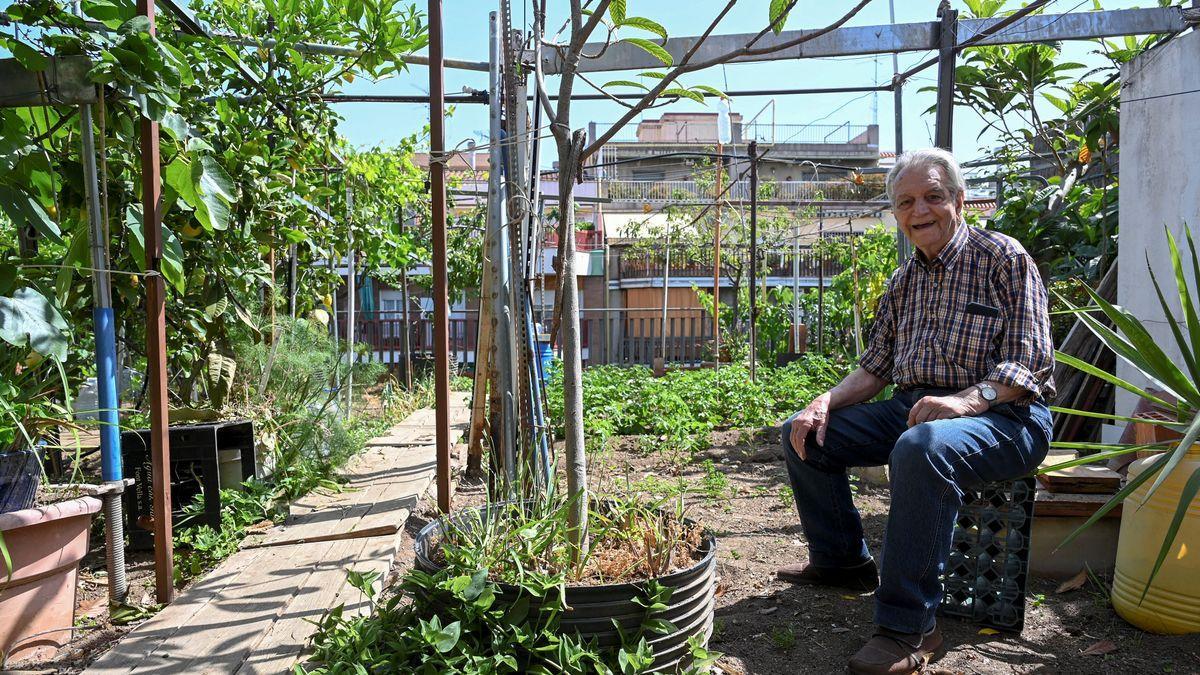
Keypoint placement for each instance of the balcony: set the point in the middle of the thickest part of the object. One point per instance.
(673, 191)
(649, 264)
(705, 132)
(585, 240)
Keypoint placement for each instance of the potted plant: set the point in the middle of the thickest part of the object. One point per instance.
(41, 544)
(1154, 585)
(643, 591)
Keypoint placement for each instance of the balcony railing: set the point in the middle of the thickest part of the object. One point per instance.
(668, 191)
(634, 336)
(649, 264)
(705, 132)
(585, 240)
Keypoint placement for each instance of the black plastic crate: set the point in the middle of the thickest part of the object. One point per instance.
(985, 577)
(194, 470)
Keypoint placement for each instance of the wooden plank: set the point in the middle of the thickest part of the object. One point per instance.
(149, 636)
(282, 645)
(1084, 479)
(1050, 504)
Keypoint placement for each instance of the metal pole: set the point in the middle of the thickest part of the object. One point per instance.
(753, 259)
(156, 348)
(441, 323)
(903, 245)
(106, 369)
(498, 252)
(662, 350)
(795, 286)
(821, 282)
(293, 281)
(351, 290)
(717, 259)
(404, 300)
(944, 131)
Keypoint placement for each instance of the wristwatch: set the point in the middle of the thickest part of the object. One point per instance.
(987, 392)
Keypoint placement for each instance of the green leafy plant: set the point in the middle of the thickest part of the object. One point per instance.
(451, 621)
(1133, 343)
(783, 638)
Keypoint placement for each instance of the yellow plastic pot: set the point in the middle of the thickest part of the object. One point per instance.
(1172, 605)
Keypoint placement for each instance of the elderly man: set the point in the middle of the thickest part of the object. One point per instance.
(963, 332)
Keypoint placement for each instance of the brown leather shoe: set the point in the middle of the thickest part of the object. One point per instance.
(861, 578)
(892, 653)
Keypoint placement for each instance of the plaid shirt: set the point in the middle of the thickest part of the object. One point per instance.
(978, 311)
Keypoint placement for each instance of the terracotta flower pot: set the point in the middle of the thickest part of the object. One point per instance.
(37, 605)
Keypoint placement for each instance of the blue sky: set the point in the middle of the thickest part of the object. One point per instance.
(466, 34)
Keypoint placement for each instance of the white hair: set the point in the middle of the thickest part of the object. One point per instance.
(926, 158)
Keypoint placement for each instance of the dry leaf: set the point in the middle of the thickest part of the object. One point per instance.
(849, 597)
(1074, 582)
(1100, 648)
(988, 631)
(91, 606)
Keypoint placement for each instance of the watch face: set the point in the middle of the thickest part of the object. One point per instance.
(988, 393)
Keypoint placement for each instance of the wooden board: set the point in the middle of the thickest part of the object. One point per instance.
(1050, 504)
(1083, 479)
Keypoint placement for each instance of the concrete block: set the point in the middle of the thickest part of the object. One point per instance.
(1096, 547)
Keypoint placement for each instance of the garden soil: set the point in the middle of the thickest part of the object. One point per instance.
(766, 626)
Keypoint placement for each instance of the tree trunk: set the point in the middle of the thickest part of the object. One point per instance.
(569, 153)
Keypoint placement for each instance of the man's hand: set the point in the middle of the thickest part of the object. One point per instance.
(813, 418)
(932, 408)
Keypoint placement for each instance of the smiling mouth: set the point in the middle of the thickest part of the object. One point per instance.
(917, 227)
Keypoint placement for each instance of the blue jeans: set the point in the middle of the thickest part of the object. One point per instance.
(930, 465)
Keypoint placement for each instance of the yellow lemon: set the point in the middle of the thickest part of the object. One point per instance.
(320, 316)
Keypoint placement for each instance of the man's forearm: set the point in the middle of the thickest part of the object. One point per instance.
(856, 387)
(979, 405)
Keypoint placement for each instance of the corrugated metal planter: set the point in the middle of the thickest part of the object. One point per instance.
(593, 609)
(37, 606)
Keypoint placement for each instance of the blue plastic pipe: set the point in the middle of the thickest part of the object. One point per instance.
(106, 386)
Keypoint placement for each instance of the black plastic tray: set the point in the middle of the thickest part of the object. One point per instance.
(985, 577)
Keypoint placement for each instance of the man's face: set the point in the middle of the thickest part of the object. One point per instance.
(925, 211)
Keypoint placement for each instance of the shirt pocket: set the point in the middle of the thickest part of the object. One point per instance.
(973, 345)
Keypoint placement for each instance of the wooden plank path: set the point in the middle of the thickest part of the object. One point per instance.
(256, 611)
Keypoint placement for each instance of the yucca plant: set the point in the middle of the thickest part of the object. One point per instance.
(1131, 342)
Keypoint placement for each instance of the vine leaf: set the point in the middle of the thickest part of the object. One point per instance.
(651, 48)
(21, 208)
(27, 319)
(214, 193)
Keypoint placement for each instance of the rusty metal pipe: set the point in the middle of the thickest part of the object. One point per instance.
(441, 304)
